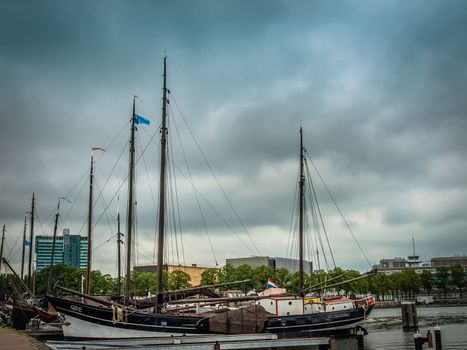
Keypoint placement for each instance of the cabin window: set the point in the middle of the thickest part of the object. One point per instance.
(290, 303)
(272, 303)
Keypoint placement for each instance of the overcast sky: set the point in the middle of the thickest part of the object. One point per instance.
(378, 86)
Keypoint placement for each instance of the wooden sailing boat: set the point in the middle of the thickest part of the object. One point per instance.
(26, 306)
(289, 316)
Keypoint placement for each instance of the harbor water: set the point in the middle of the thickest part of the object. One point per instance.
(385, 329)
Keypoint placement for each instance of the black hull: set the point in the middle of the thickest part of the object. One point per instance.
(325, 323)
(21, 315)
(135, 320)
(165, 324)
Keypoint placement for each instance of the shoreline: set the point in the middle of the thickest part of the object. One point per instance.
(436, 303)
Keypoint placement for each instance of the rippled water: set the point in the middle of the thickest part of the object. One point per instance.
(384, 328)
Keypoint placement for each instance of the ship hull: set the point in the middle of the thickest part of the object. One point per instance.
(86, 321)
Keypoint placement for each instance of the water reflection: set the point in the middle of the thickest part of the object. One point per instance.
(385, 328)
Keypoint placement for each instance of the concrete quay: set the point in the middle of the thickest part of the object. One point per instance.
(11, 339)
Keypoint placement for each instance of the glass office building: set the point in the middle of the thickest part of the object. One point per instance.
(69, 250)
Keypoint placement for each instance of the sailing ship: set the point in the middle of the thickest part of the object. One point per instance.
(25, 306)
(86, 316)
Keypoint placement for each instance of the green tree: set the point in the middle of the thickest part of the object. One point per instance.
(281, 276)
(410, 282)
(292, 285)
(261, 275)
(63, 275)
(350, 287)
(458, 277)
(210, 277)
(227, 274)
(9, 286)
(442, 278)
(426, 280)
(395, 281)
(101, 284)
(317, 278)
(143, 283)
(244, 272)
(378, 285)
(179, 280)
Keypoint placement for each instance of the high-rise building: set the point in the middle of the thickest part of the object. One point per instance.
(69, 250)
(44, 251)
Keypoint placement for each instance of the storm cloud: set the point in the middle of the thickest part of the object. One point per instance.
(378, 87)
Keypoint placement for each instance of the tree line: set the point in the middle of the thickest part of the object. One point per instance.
(405, 284)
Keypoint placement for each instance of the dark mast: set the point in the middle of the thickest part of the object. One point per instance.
(130, 205)
(89, 256)
(160, 250)
(31, 240)
(51, 270)
(301, 183)
(1, 247)
(119, 259)
(24, 248)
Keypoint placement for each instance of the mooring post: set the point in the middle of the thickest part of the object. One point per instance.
(360, 339)
(418, 340)
(332, 344)
(409, 316)
(217, 346)
(438, 344)
(429, 338)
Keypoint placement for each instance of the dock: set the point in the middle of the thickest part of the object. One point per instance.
(216, 342)
(13, 339)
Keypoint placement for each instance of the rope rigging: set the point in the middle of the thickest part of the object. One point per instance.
(340, 212)
(195, 192)
(215, 176)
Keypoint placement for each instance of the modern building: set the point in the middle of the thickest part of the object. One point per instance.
(397, 264)
(292, 265)
(194, 271)
(450, 261)
(69, 250)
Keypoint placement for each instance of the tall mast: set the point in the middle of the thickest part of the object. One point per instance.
(88, 261)
(119, 259)
(24, 248)
(160, 250)
(31, 240)
(301, 183)
(51, 269)
(1, 247)
(129, 227)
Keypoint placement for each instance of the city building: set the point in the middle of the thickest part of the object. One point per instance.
(69, 250)
(194, 271)
(275, 263)
(449, 261)
(397, 264)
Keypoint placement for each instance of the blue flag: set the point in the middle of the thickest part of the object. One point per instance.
(27, 243)
(141, 120)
